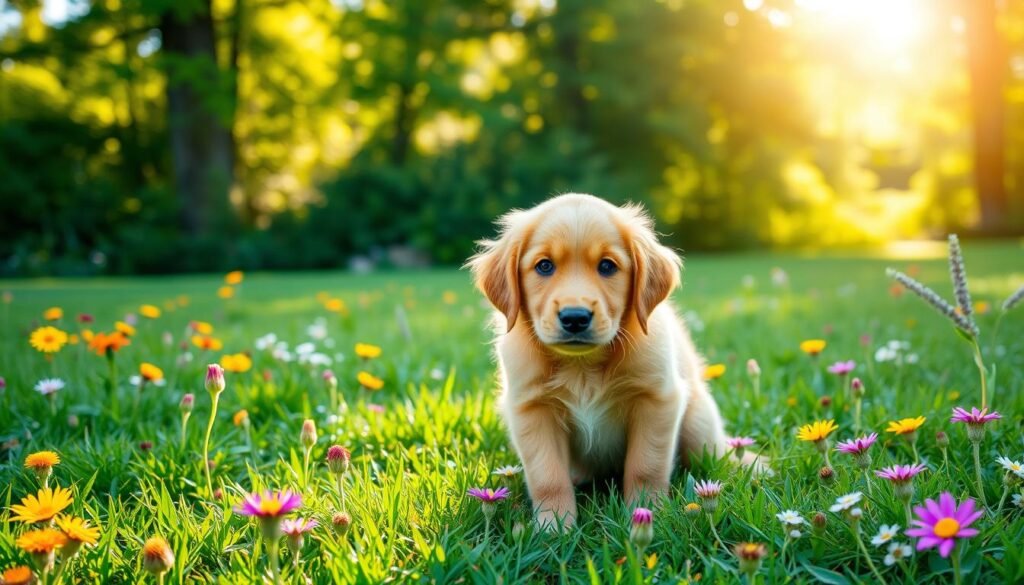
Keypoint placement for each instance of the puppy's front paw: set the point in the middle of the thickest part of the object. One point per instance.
(552, 521)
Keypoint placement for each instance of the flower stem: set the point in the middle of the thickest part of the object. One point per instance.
(341, 490)
(867, 482)
(275, 570)
(913, 447)
(184, 428)
(978, 361)
(976, 448)
(487, 529)
(714, 531)
(856, 413)
(867, 556)
(906, 508)
(956, 566)
(206, 443)
(1002, 500)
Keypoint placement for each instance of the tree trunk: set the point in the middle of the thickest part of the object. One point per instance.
(987, 66)
(199, 104)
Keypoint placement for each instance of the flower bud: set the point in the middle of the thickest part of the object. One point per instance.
(338, 459)
(214, 379)
(818, 523)
(518, 530)
(187, 403)
(942, 440)
(73, 421)
(342, 522)
(330, 379)
(749, 555)
(826, 401)
(753, 369)
(692, 509)
(857, 387)
(157, 556)
(308, 435)
(827, 475)
(642, 532)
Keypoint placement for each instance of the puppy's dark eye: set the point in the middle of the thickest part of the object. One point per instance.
(545, 267)
(606, 267)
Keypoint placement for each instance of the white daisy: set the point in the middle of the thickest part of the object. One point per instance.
(897, 552)
(305, 348)
(791, 517)
(508, 471)
(846, 502)
(48, 386)
(1011, 466)
(1018, 500)
(885, 534)
(266, 342)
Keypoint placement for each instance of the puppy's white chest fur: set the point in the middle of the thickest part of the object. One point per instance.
(597, 427)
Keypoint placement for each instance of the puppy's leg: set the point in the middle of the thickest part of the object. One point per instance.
(543, 446)
(651, 445)
(702, 427)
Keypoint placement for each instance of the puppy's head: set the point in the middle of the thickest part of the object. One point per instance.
(578, 267)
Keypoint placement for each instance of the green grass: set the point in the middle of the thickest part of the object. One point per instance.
(438, 434)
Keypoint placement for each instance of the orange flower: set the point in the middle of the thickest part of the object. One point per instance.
(234, 277)
(206, 342)
(106, 344)
(225, 292)
(240, 418)
(714, 371)
(41, 542)
(150, 373)
(20, 575)
(201, 327)
(53, 314)
(236, 363)
(336, 306)
(369, 381)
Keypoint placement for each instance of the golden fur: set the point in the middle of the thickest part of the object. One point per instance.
(629, 402)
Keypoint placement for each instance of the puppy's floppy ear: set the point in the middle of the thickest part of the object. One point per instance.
(655, 267)
(496, 267)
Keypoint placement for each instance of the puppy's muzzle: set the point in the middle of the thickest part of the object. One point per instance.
(575, 320)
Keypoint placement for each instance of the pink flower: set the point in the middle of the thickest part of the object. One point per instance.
(857, 446)
(214, 379)
(642, 532)
(642, 516)
(708, 489)
(842, 368)
(298, 526)
(487, 495)
(900, 473)
(739, 442)
(975, 417)
(941, 523)
(269, 504)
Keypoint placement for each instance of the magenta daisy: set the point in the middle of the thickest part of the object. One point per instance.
(975, 421)
(708, 488)
(898, 474)
(842, 368)
(487, 495)
(940, 524)
(739, 445)
(298, 526)
(269, 504)
(858, 446)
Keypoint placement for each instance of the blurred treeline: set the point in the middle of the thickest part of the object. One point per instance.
(169, 135)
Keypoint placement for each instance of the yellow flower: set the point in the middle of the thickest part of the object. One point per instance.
(982, 307)
(207, 342)
(812, 346)
(449, 297)
(791, 401)
(87, 335)
(53, 314)
(157, 556)
(225, 292)
(335, 306)
(20, 575)
(73, 339)
(102, 343)
(124, 328)
(48, 339)
(78, 530)
(240, 417)
(714, 371)
(816, 431)
(234, 277)
(369, 381)
(201, 327)
(43, 506)
(42, 460)
(367, 351)
(149, 311)
(42, 541)
(905, 426)
(150, 373)
(237, 363)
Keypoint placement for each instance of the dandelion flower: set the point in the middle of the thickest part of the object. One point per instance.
(817, 431)
(207, 342)
(226, 292)
(812, 347)
(369, 381)
(42, 462)
(124, 328)
(106, 344)
(47, 503)
(42, 544)
(941, 524)
(48, 339)
(78, 533)
(906, 426)
(714, 371)
(234, 278)
(241, 418)
(53, 314)
(150, 373)
(149, 311)
(367, 351)
(20, 575)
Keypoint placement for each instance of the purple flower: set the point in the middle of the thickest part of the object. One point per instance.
(708, 489)
(642, 516)
(487, 495)
(857, 446)
(975, 417)
(900, 473)
(842, 368)
(941, 523)
(269, 504)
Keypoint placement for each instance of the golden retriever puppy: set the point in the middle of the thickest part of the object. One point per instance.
(599, 376)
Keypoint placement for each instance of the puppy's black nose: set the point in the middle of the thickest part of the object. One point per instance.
(575, 319)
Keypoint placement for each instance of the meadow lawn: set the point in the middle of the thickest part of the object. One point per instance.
(432, 431)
